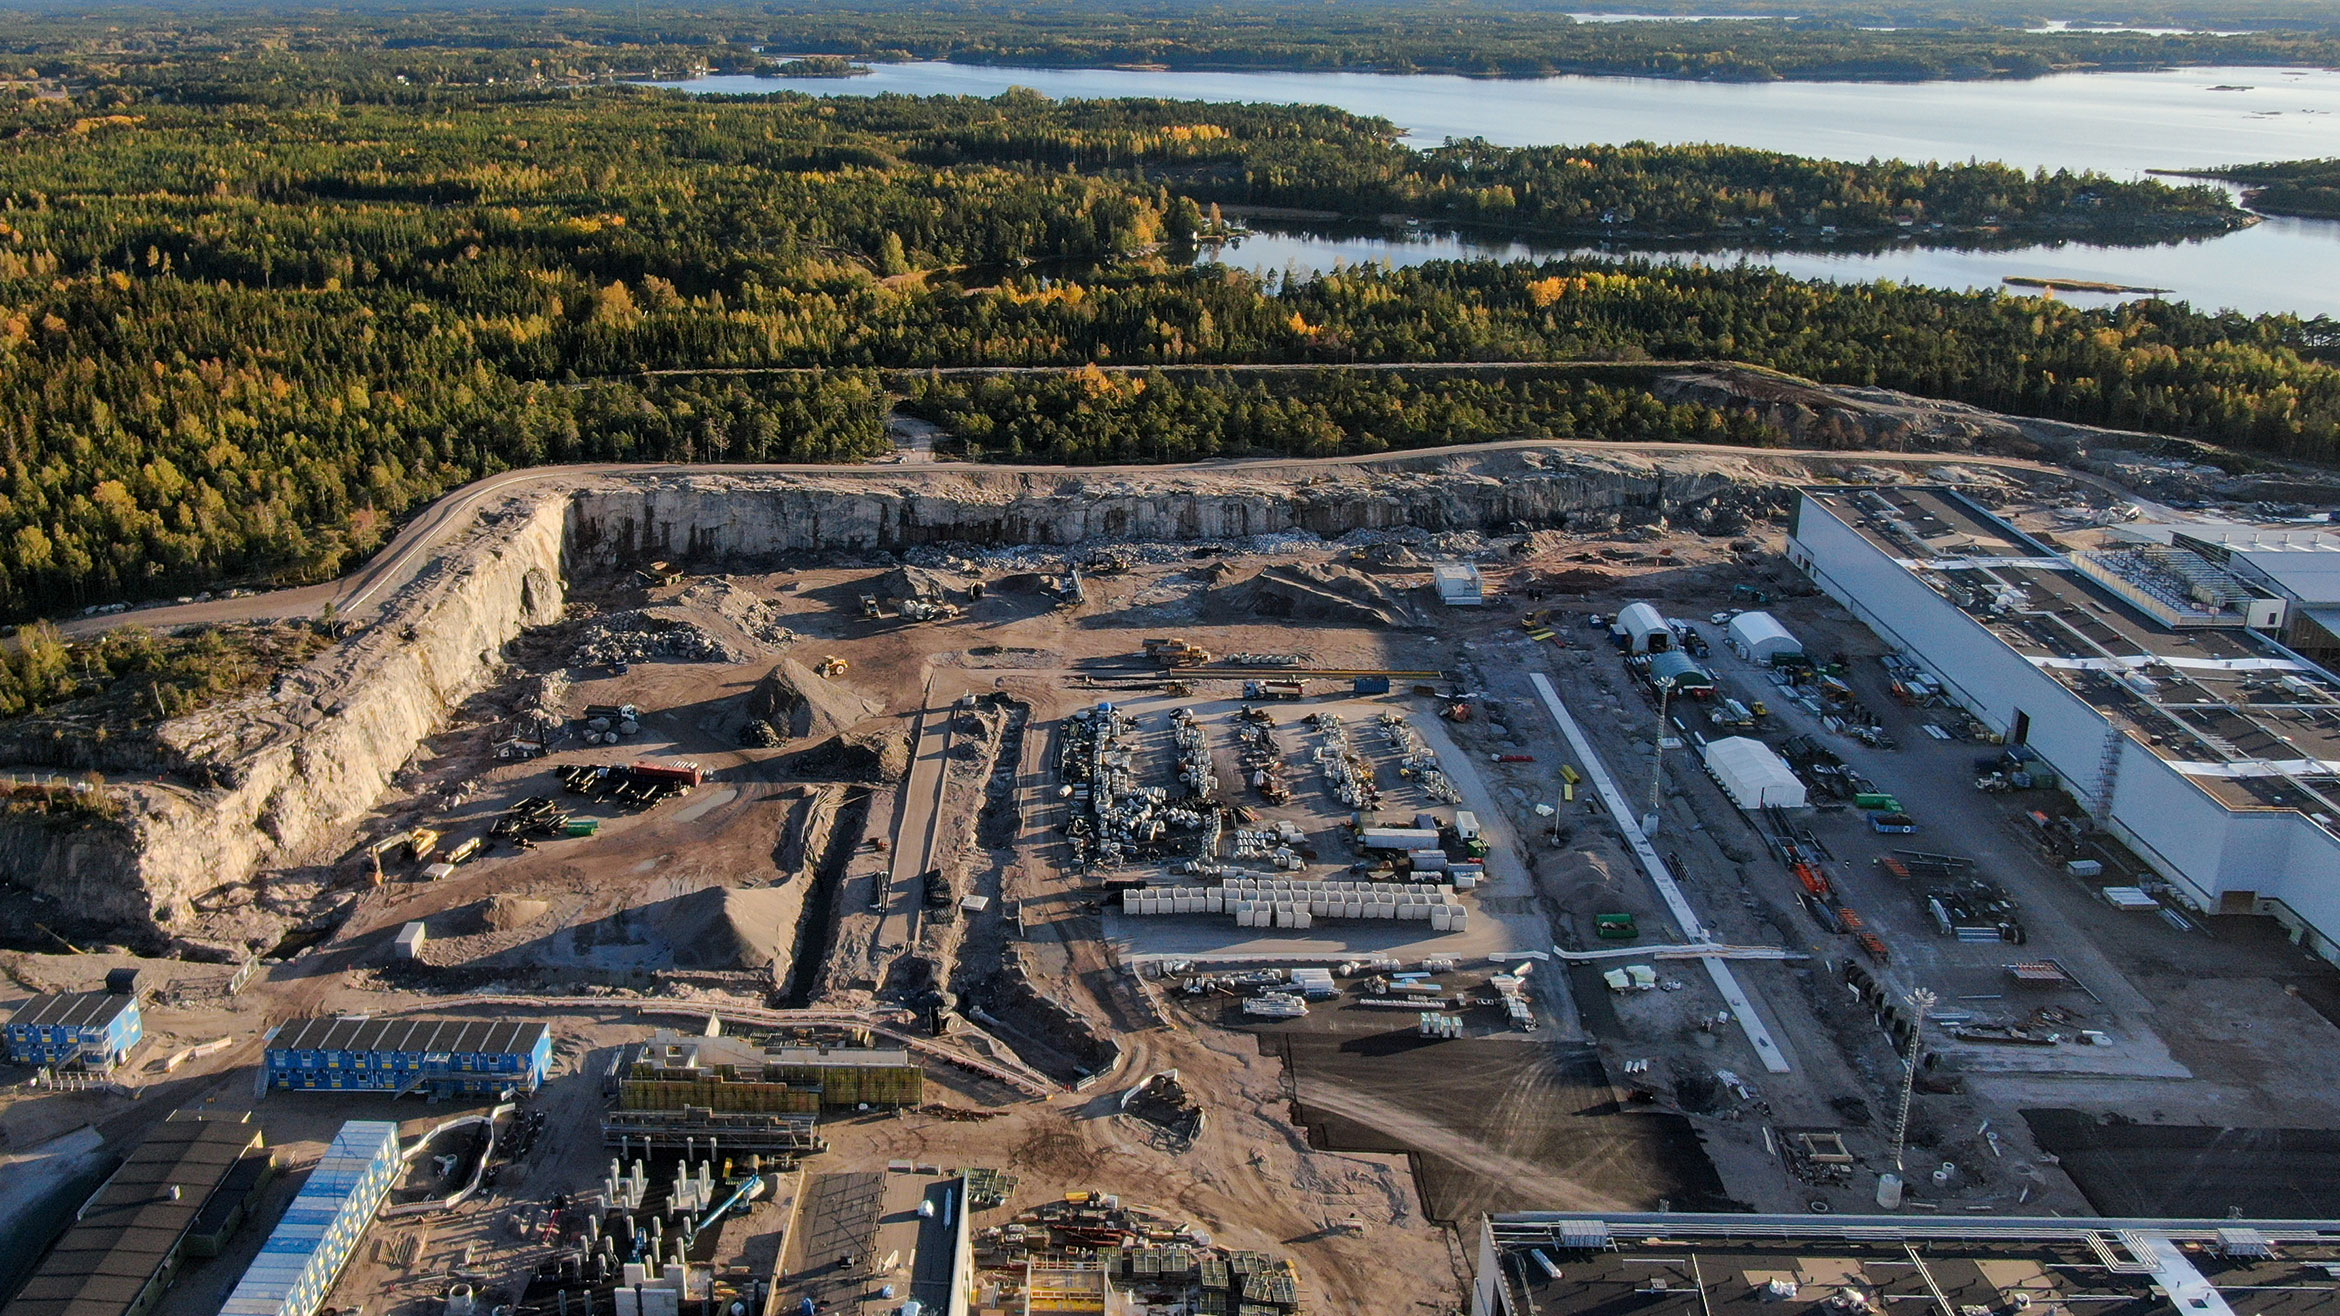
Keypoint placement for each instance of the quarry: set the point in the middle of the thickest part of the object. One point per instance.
(1251, 888)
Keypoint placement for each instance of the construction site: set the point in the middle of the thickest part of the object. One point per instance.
(1290, 892)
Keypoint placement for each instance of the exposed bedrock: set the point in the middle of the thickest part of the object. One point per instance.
(729, 520)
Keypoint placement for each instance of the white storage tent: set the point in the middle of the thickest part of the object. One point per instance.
(1752, 775)
(1760, 638)
(1645, 629)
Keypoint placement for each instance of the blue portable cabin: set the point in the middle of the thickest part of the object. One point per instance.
(89, 1030)
(443, 1057)
(302, 1258)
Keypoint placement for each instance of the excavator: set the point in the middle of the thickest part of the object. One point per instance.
(417, 843)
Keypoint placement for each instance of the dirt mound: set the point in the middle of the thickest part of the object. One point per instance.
(799, 702)
(504, 913)
(755, 617)
(723, 928)
(874, 751)
(1314, 592)
(912, 583)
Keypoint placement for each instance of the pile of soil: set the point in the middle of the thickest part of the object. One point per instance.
(800, 703)
(876, 751)
(727, 928)
(1314, 592)
(504, 913)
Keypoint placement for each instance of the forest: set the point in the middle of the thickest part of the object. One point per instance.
(2309, 189)
(246, 327)
(1512, 40)
(385, 49)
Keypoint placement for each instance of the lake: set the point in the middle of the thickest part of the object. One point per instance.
(2119, 123)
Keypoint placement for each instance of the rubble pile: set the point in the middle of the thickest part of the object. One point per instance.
(643, 634)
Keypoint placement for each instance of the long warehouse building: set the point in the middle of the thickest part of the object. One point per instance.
(320, 1230)
(2146, 678)
(178, 1195)
(1556, 1263)
(442, 1056)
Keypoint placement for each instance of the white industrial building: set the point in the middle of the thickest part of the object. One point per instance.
(1753, 775)
(1759, 638)
(1644, 629)
(2148, 680)
(1460, 585)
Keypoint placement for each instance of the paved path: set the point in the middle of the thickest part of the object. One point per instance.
(1767, 1049)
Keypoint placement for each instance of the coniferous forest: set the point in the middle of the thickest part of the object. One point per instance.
(258, 301)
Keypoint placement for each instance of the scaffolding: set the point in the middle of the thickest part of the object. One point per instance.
(2177, 587)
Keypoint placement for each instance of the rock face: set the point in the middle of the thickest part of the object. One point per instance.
(715, 522)
(290, 769)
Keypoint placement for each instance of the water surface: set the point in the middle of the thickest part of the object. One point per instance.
(2122, 124)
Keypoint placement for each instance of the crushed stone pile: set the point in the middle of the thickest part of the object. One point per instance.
(642, 634)
(798, 702)
(755, 617)
(1315, 592)
(912, 582)
(730, 928)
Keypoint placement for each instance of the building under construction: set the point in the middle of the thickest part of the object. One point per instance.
(1558, 1263)
(1087, 1254)
(674, 1093)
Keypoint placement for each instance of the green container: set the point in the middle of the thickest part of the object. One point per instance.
(1615, 927)
(1877, 800)
(584, 826)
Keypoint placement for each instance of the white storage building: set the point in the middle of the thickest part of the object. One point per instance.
(1752, 775)
(2210, 750)
(1759, 638)
(1644, 629)
(1460, 585)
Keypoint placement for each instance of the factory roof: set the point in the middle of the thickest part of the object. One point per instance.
(2239, 715)
(71, 1009)
(128, 1230)
(1763, 1265)
(452, 1036)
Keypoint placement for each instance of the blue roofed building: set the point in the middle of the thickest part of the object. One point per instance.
(299, 1263)
(83, 1030)
(439, 1057)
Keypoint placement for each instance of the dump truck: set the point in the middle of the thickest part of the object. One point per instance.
(1172, 652)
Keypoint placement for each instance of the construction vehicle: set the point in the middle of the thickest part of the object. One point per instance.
(416, 845)
(1275, 690)
(831, 665)
(1171, 652)
(419, 844)
(927, 610)
(869, 607)
(657, 573)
